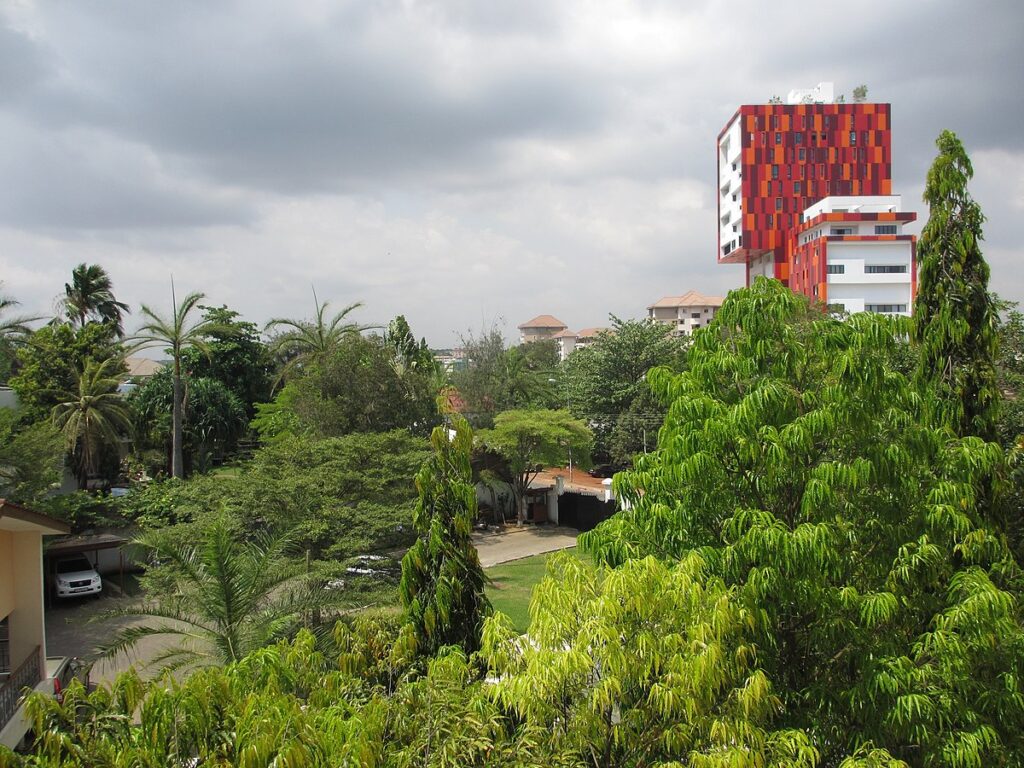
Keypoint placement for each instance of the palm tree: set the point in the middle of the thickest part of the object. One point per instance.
(92, 416)
(13, 328)
(179, 335)
(90, 296)
(226, 596)
(304, 341)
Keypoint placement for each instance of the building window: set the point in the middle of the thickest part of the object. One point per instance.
(775, 122)
(770, 220)
(885, 308)
(810, 171)
(798, 138)
(789, 171)
(803, 122)
(775, 171)
(841, 231)
(837, 269)
(796, 187)
(853, 137)
(695, 315)
(778, 203)
(885, 229)
(863, 137)
(734, 198)
(802, 154)
(734, 166)
(885, 269)
(778, 137)
(764, 138)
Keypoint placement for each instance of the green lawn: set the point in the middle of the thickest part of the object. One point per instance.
(512, 584)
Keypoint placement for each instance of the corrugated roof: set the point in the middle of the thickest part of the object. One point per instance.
(544, 321)
(688, 299)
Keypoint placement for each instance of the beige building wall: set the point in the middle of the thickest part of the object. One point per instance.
(6, 574)
(25, 588)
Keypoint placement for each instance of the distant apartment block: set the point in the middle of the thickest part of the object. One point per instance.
(777, 162)
(540, 328)
(568, 341)
(686, 313)
(451, 360)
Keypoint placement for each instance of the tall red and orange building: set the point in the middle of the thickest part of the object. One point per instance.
(776, 161)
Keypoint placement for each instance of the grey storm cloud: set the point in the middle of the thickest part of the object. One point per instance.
(452, 160)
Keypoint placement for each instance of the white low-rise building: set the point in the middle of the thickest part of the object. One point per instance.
(852, 254)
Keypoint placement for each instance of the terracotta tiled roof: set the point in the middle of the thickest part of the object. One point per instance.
(543, 321)
(589, 333)
(688, 299)
(566, 334)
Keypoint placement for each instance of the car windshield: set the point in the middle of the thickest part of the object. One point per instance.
(73, 565)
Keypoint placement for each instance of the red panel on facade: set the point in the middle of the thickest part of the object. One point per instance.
(793, 155)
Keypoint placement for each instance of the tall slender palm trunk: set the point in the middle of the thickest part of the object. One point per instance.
(177, 460)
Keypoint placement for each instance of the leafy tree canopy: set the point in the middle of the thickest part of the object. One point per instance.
(442, 585)
(809, 477)
(234, 355)
(49, 362)
(31, 457)
(604, 381)
(214, 418)
(358, 389)
(955, 317)
(530, 440)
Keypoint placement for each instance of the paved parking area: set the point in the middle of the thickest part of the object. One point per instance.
(516, 543)
(70, 631)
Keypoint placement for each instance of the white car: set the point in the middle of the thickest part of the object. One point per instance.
(74, 575)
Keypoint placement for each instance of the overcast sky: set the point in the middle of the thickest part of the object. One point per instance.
(460, 162)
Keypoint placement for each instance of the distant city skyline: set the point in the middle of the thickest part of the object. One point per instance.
(459, 163)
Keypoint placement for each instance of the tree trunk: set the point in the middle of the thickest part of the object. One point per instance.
(177, 463)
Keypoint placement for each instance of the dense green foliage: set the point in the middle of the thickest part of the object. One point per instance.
(442, 585)
(48, 363)
(306, 344)
(178, 334)
(93, 416)
(809, 477)
(606, 386)
(531, 440)
(14, 329)
(214, 418)
(955, 317)
(497, 379)
(31, 457)
(234, 356)
(220, 598)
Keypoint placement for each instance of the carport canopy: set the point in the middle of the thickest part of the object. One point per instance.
(74, 545)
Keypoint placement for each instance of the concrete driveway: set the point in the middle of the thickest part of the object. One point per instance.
(517, 543)
(69, 632)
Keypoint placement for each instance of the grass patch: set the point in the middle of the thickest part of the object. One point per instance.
(512, 585)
